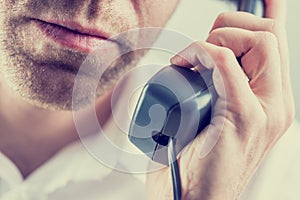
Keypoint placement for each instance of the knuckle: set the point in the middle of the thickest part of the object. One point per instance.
(197, 45)
(266, 40)
(221, 19)
(215, 33)
(215, 36)
(272, 26)
(224, 55)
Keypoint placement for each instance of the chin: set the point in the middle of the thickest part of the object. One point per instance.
(51, 86)
(48, 88)
(44, 74)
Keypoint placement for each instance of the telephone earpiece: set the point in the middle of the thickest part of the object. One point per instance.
(175, 105)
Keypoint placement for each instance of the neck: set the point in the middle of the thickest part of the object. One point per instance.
(31, 135)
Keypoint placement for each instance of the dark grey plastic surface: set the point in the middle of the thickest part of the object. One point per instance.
(176, 103)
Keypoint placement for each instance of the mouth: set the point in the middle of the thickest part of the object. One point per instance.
(73, 35)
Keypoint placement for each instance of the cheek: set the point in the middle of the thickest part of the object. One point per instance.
(157, 12)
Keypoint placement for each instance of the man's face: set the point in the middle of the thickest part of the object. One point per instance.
(43, 43)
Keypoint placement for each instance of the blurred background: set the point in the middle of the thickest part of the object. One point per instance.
(293, 27)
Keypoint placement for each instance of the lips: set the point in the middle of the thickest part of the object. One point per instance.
(73, 35)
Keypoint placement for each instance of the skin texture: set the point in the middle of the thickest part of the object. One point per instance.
(257, 112)
(37, 74)
(29, 59)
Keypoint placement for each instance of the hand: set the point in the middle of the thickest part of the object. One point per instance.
(254, 114)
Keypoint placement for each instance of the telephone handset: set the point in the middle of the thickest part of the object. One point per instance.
(175, 105)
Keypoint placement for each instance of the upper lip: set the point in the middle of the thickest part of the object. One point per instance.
(78, 28)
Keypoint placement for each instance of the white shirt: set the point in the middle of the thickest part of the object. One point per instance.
(74, 172)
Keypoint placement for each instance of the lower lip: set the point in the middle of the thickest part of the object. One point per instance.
(70, 39)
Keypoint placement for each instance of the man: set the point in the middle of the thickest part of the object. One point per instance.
(43, 44)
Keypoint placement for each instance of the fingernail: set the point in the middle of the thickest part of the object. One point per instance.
(175, 59)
